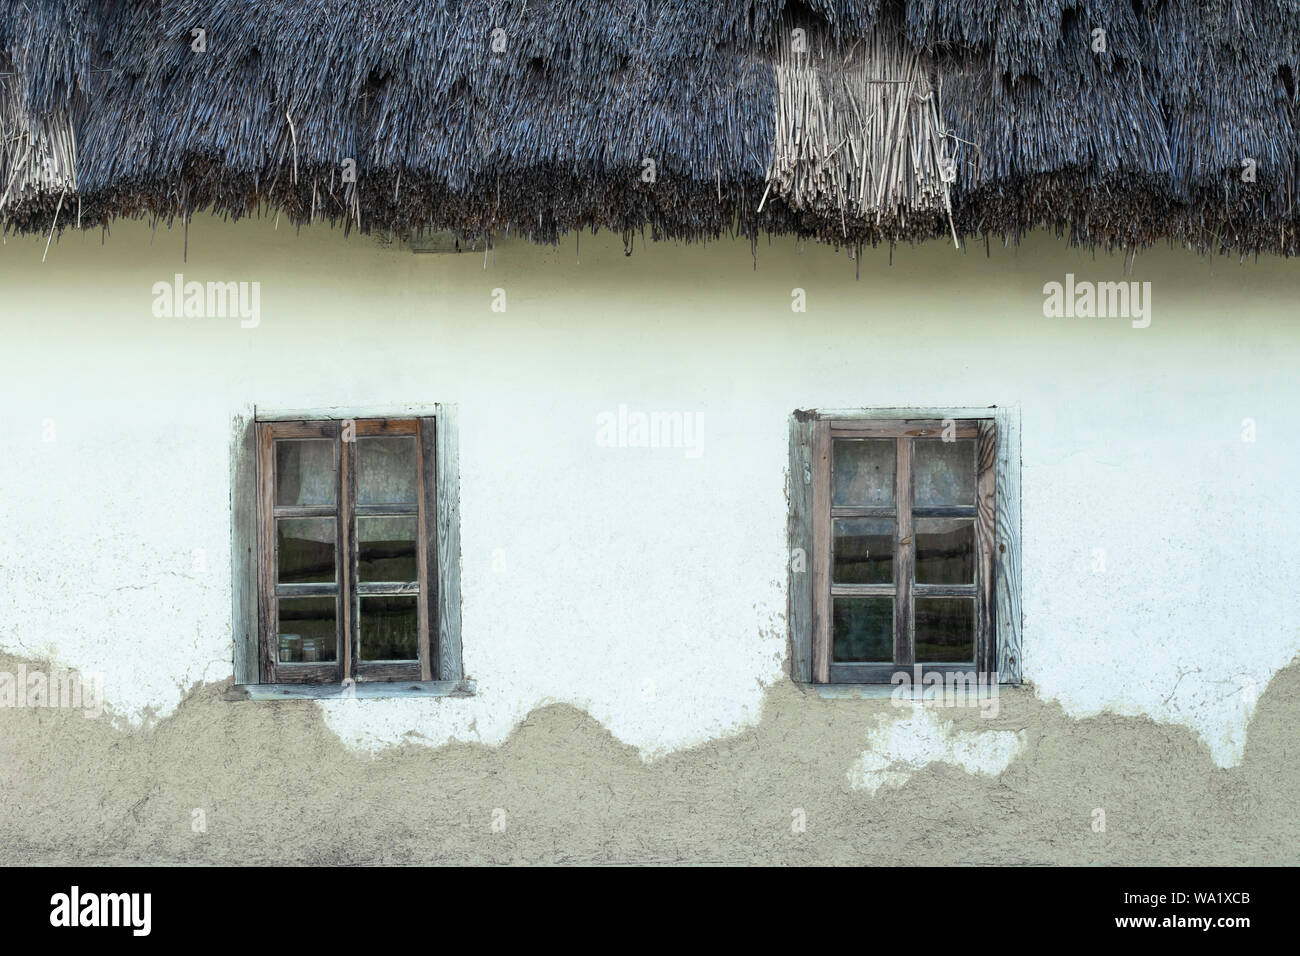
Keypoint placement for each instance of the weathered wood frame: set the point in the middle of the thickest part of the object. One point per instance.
(268, 591)
(997, 529)
(440, 670)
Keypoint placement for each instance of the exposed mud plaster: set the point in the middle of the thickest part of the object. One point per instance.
(276, 784)
(916, 738)
(655, 717)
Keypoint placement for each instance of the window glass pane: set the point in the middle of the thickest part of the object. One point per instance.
(305, 548)
(386, 548)
(945, 551)
(386, 470)
(864, 471)
(308, 632)
(945, 472)
(304, 471)
(863, 550)
(945, 630)
(390, 628)
(863, 629)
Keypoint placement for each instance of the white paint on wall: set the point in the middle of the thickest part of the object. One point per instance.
(644, 585)
(898, 747)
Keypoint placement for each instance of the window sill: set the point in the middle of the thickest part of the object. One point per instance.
(365, 690)
(888, 691)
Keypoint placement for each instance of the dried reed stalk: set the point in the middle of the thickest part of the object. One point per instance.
(38, 156)
(858, 133)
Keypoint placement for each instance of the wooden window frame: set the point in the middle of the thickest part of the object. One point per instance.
(996, 515)
(439, 670)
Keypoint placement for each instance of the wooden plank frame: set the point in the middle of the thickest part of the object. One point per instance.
(996, 515)
(244, 548)
(799, 493)
(443, 470)
(439, 671)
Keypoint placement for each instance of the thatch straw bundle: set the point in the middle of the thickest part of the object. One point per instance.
(38, 154)
(540, 116)
(858, 134)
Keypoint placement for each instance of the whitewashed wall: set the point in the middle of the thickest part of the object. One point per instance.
(647, 586)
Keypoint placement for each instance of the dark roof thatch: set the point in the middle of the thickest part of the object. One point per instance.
(899, 121)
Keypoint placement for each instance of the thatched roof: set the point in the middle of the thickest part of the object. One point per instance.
(881, 120)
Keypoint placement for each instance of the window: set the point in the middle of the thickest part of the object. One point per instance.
(353, 552)
(898, 545)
